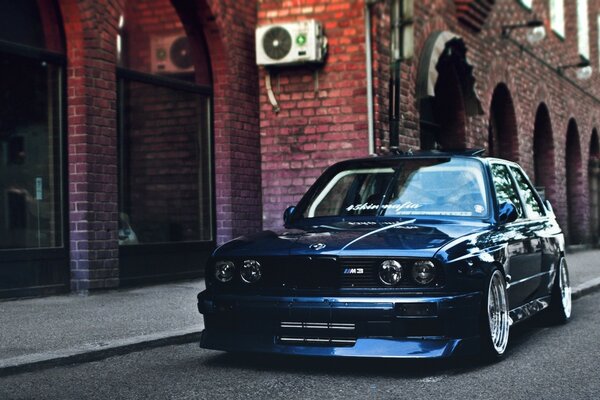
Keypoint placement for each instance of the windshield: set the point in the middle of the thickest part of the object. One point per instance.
(424, 187)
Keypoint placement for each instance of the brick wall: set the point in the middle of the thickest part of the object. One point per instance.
(228, 26)
(225, 29)
(90, 29)
(323, 115)
(264, 161)
(297, 145)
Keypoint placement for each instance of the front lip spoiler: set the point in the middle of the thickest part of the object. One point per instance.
(406, 348)
(459, 311)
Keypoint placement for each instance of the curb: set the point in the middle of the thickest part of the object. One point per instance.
(95, 352)
(586, 288)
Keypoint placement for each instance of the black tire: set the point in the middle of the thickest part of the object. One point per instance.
(559, 311)
(495, 319)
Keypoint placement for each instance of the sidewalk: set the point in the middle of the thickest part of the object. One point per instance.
(64, 329)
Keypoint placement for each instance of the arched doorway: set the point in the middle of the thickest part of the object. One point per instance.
(445, 91)
(543, 154)
(575, 196)
(33, 247)
(166, 216)
(594, 186)
(503, 139)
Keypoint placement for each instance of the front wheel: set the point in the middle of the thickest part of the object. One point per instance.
(560, 301)
(495, 318)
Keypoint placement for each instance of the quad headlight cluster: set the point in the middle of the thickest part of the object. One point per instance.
(391, 272)
(250, 271)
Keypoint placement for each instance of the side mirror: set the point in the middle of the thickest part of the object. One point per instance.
(287, 214)
(507, 213)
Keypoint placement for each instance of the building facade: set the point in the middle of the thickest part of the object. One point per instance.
(136, 135)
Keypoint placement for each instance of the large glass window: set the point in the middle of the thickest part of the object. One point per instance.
(31, 213)
(583, 29)
(165, 177)
(526, 3)
(557, 17)
(165, 193)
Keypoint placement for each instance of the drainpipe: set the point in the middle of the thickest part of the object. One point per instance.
(369, 66)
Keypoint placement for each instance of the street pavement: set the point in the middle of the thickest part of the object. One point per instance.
(542, 362)
(50, 331)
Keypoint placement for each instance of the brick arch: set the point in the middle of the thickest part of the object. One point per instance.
(445, 91)
(543, 153)
(228, 29)
(575, 186)
(503, 138)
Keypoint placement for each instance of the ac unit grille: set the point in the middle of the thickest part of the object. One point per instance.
(277, 43)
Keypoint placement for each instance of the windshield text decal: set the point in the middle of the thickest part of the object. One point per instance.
(408, 205)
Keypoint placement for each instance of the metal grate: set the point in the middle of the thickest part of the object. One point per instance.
(317, 333)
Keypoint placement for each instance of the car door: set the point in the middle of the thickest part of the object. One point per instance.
(538, 230)
(524, 259)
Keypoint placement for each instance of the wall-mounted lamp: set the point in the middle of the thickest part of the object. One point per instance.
(583, 69)
(536, 32)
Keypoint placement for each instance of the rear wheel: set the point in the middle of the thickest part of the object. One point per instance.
(560, 302)
(495, 318)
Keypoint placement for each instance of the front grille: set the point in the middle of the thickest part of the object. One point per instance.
(317, 333)
(328, 273)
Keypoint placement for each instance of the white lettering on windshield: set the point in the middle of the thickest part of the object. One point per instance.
(408, 205)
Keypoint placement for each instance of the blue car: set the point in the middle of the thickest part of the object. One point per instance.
(407, 256)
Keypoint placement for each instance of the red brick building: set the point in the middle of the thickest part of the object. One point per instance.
(137, 135)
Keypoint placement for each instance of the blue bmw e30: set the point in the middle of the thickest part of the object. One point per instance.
(409, 256)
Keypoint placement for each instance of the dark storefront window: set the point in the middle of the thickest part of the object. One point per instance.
(30, 126)
(165, 193)
(33, 239)
(30, 153)
(165, 169)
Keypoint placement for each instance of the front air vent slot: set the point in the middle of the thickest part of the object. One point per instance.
(317, 333)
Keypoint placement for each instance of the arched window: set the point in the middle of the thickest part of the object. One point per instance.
(31, 139)
(165, 172)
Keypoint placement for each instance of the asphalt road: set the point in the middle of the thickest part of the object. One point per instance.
(560, 362)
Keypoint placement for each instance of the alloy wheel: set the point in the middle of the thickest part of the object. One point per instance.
(498, 318)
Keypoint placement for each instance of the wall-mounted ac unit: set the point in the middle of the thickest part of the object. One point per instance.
(290, 43)
(170, 54)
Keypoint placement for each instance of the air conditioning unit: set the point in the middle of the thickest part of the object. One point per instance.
(290, 43)
(171, 54)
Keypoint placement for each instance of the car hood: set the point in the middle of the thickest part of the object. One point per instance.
(407, 238)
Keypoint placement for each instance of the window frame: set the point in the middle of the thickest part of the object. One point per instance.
(124, 74)
(59, 60)
(522, 194)
(559, 31)
(583, 30)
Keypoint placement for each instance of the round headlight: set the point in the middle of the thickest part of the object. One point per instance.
(390, 272)
(423, 272)
(224, 271)
(250, 271)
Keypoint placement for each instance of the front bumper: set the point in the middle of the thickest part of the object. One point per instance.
(407, 326)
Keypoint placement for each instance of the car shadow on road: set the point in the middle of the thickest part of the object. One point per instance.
(521, 334)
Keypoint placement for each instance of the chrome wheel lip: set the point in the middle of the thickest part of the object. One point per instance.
(564, 285)
(498, 316)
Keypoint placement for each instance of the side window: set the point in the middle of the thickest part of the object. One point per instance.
(532, 205)
(505, 190)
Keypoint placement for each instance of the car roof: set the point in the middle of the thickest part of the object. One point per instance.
(463, 153)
